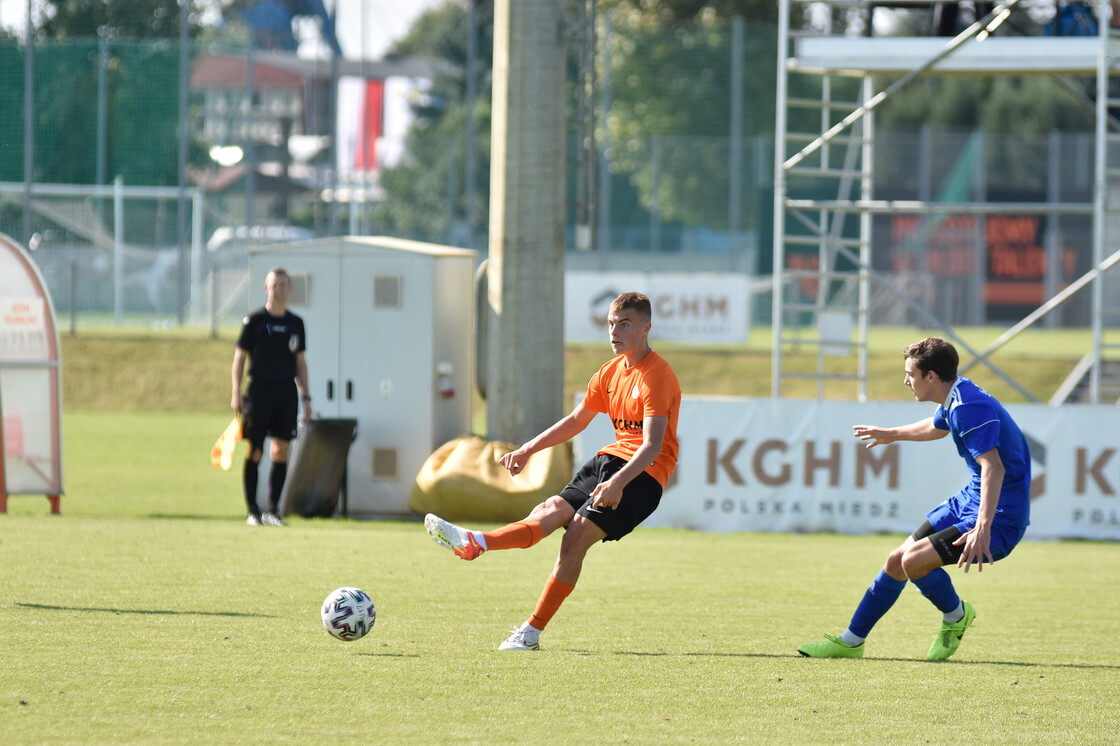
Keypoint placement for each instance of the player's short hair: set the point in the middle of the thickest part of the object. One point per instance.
(634, 301)
(934, 354)
(278, 271)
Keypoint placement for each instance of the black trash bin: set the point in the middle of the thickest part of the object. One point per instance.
(317, 469)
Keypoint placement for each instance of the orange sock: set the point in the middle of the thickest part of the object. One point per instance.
(519, 535)
(555, 591)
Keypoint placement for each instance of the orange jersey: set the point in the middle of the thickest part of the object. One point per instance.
(628, 396)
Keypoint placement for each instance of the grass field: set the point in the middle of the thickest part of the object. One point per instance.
(183, 371)
(149, 613)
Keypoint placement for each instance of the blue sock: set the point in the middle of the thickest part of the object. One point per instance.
(938, 588)
(877, 601)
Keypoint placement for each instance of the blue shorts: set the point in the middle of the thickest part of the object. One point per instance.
(1004, 536)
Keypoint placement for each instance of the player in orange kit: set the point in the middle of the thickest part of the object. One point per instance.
(616, 489)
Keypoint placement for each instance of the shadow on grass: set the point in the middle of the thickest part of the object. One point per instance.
(195, 517)
(798, 656)
(1011, 664)
(168, 612)
(390, 655)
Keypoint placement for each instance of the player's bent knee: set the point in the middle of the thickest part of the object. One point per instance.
(921, 559)
(894, 563)
(553, 506)
(911, 568)
(581, 535)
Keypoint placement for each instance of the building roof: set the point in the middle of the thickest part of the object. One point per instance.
(278, 70)
(228, 71)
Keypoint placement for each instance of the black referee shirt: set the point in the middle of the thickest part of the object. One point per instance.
(272, 343)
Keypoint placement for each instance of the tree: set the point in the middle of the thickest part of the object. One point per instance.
(670, 111)
(682, 74)
(1011, 104)
(426, 192)
(674, 11)
(668, 127)
(132, 19)
(1017, 112)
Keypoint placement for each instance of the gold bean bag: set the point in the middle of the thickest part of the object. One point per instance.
(463, 481)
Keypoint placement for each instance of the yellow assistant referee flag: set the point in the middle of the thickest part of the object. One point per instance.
(221, 455)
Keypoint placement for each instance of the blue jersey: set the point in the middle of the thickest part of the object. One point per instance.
(979, 423)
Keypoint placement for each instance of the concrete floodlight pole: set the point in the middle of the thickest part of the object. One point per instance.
(525, 272)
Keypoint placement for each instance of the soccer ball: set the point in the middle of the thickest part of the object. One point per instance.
(348, 613)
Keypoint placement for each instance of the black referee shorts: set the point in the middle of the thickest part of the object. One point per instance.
(271, 410)
(639, 498)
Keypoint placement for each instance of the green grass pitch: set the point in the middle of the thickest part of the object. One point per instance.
(149, 613)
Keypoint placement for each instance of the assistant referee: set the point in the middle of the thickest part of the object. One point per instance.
(273, 340)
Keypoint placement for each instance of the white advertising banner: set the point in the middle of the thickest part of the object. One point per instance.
(794, 466)
(698, 308)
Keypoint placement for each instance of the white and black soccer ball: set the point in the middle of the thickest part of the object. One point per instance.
(348, 613)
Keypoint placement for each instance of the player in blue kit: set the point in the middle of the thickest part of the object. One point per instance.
(981, 523)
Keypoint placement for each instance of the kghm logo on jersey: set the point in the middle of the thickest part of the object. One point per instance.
(634, 426)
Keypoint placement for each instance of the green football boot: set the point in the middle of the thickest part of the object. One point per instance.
(949, 638)
(832, 647)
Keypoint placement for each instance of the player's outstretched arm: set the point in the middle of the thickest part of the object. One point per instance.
(923, 430)
(563, 431)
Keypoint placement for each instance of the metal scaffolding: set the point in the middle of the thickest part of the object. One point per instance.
(824, 184)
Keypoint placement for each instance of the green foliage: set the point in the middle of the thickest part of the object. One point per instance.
(136, 19)
(670, 81)
(668, 11)
(670, 117)
(1001, 104)
(658, 88)
(441, 33)
(1016, 115)
(428, 190)
(1034, 105)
